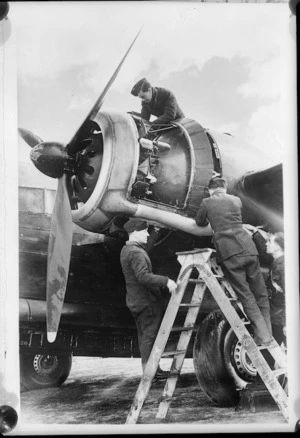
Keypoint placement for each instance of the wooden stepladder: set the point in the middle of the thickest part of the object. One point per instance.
(210, 277)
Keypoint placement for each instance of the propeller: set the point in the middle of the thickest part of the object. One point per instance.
(30, 137)
(59, 254)
(58, 161)
(72, 144)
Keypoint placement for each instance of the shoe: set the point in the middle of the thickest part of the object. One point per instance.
(161, 374)
(261, 344)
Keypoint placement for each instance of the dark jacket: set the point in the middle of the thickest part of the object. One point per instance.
(143, 287)
(224, 213)
(163, 105)
(276, 287)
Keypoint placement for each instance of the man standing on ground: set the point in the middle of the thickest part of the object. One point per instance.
(237, 255)
(144, 296)
(157, 101)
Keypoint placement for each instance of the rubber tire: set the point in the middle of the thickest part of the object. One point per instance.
(30, 379)
(209, 356)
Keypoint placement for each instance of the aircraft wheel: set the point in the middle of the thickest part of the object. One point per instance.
(221, 363)
(39, 371)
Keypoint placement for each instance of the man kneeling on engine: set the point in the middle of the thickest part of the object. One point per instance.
(157, 101)
(144, 296)
(237, 255)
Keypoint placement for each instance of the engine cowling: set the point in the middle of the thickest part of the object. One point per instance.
(121, 178)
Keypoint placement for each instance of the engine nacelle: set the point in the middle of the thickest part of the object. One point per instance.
(121, 177)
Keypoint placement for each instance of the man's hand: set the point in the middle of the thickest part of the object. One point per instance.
(171, 285)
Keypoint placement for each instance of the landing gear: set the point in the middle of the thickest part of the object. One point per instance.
(39, 371)
(221, 363)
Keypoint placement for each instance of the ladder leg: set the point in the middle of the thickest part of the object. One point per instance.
(159, 344)
(278, 354)
(183, 343)
(267, 376)
(245, 338)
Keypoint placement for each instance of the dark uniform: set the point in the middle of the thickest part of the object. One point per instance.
(237, 254)
(163, 105)
(144, 295)
(276, 286)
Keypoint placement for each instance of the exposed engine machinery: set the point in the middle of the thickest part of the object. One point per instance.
(120, 173)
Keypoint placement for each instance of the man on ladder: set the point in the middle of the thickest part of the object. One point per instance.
(237, 255)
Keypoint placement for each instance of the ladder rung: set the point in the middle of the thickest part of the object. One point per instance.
(190, 304)
(199, 280)
(173, 353)
(279, 371)
(262, 347)
(195, 251)
(182, 329)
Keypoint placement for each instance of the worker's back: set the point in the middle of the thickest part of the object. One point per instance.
(223, 210)
(224, 213)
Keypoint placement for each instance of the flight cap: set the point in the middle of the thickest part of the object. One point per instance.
(138, 86)
(135, 225)
(216, 183)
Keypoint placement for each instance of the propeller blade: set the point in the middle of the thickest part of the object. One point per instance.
(59, 254)
(30, 137)
(71, 146)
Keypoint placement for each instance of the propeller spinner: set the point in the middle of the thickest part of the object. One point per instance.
(55, 160)
(50, 158)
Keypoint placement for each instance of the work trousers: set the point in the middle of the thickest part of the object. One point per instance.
(246, 278)
(278, 334)
(148, 322)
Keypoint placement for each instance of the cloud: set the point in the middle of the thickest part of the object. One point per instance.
(211, 94)
(229, 128)
(55, 36)
(263, 79)
(267, 128)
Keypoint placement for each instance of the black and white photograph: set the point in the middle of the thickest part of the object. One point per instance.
(149, 217)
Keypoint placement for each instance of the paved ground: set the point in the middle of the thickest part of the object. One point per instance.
(100, 391)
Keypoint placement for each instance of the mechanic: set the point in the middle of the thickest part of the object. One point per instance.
(237, 255)
(157, 101)
(276, 286)
(145, 290)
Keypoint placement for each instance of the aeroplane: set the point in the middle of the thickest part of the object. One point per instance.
(72, 302)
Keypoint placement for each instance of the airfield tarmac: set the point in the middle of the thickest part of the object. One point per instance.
(100, 392)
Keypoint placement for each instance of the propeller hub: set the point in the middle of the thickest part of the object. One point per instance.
(50, 158)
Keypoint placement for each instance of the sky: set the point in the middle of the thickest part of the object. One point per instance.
(228, 64)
